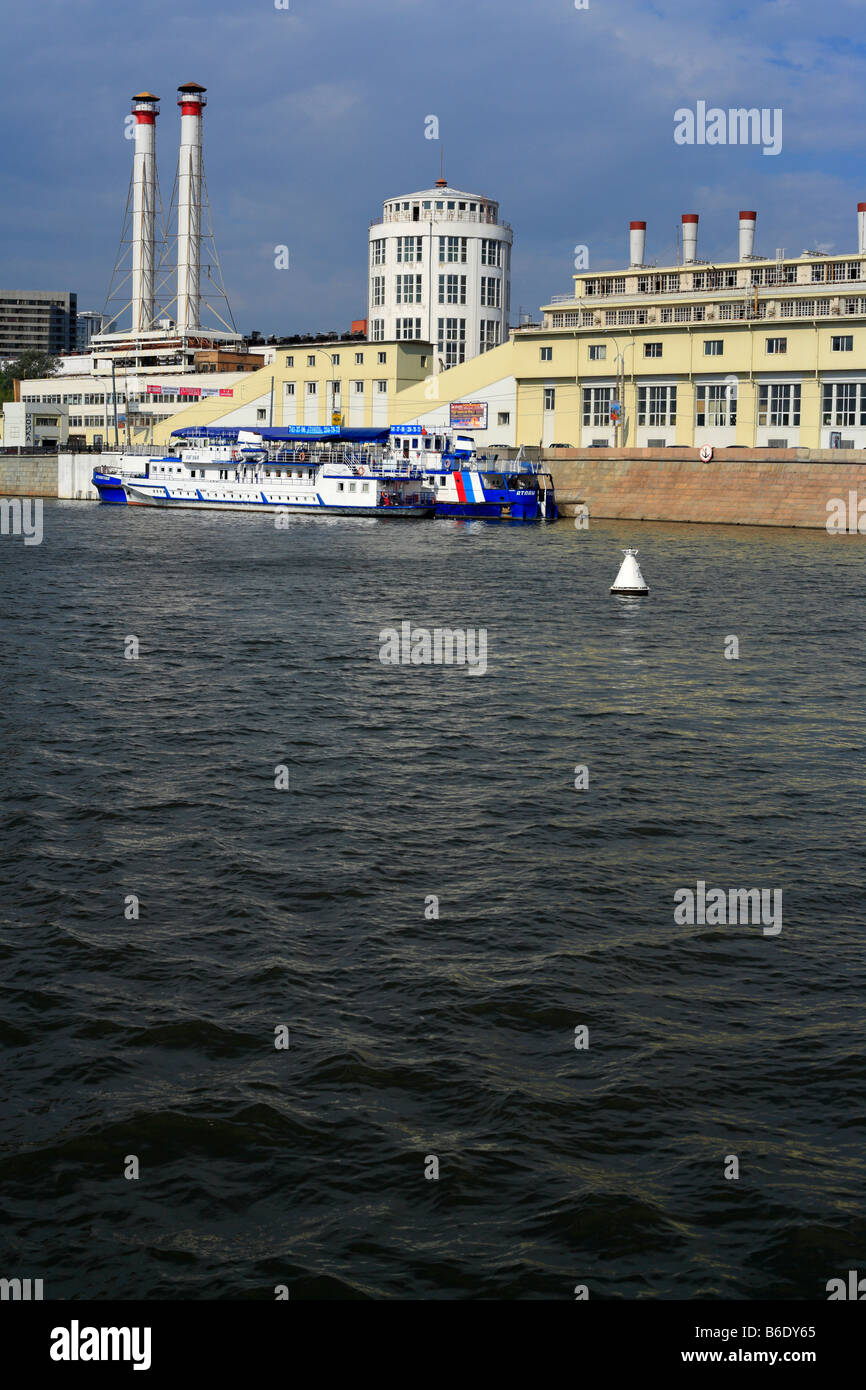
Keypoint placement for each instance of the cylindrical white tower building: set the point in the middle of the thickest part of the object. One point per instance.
(192, 101)
(145, 109)
(440, 271)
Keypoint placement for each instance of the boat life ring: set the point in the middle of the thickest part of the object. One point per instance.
(301, 456)
(706, 453)
(361, 469)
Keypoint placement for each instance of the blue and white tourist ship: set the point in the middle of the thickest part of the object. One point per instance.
(468, 484)
(406, 471)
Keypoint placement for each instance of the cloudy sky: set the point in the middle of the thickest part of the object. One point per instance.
(317, 113)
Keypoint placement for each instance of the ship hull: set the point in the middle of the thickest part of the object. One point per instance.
(139, 497)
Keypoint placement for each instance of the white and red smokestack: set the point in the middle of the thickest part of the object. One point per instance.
(747, 234)
(145, 109)
(690, 238)
(636, 242)
(192, 101)
(861, 227)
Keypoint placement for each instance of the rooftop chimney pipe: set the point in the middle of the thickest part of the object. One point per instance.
(747, 234)
(636, 242)
(690, 238)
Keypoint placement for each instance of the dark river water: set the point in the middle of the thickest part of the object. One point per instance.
(418, 1040)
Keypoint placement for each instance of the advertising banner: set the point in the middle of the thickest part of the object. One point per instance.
(469, 415)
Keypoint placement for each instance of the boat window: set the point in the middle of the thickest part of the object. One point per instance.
(351, 487)
(493, 480)
(339, 487)
(365, 487)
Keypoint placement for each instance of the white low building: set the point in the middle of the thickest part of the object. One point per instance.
(32, 425)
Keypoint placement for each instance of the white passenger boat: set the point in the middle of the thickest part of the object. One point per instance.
(288, 470)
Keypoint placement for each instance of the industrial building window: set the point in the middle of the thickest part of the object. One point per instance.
(378, 330)
(777, 345)
(290, 361)
(452, 289)
(596, 405)
(657, 405)
(452, 248)
(290, 388)
(379, 290)
(408, 289)
(311, 360)
(503, 417)
(407, 328)
(379, 251)
(547, 354)
(716, 406)
(490, 292)
(779, 405)
(383, 358)
(312, 388)
(490, 251)
(550, 398)
(652, 349)
(261, 414)
(835, 270)
(713, 347)
(844, 403)
(358, 388)
(488, 335)
(842, 342)
(409, 248)
(597, 352)
(451, 340)
(381, 387)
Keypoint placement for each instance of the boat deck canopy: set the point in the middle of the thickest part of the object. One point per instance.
(363, 434)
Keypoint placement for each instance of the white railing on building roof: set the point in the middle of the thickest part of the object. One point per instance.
(429, 215)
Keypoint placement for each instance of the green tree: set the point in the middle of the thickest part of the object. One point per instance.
(26, 367)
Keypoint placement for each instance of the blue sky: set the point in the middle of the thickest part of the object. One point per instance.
(317, 113)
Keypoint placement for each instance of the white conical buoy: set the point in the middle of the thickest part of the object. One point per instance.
(629, 580)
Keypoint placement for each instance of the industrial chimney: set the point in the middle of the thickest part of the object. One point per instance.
(636, 242)
(690, 238)
(145, 109)
(191, 100)
(747, 234)
(861, 227)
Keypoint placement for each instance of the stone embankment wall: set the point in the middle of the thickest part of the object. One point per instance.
(50, 475)
(768, 487)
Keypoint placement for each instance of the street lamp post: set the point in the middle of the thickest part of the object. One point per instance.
(333, 382)
(619, 358)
